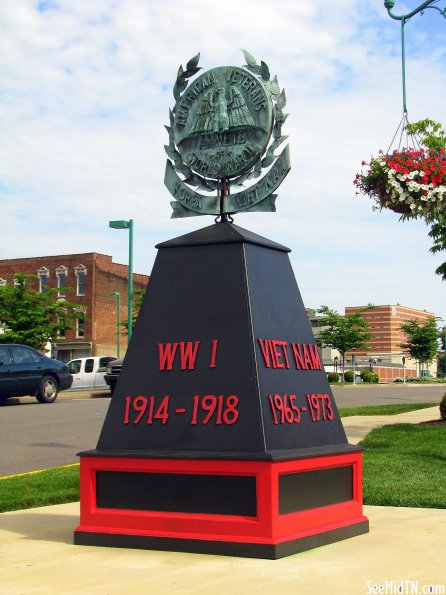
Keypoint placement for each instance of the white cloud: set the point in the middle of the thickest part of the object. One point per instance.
(86, 89)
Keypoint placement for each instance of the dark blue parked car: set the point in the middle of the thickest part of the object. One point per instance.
(25, 371)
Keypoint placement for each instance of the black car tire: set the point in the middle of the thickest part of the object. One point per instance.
(2, 400)
(48, 391)
(112, 385)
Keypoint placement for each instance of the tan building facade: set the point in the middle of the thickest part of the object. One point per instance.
(385, 326)
(88, 280)
(385, 345)
(384, 354)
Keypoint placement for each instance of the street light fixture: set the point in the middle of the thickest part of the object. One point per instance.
(403, 18)
(117, 294)
(123, 224)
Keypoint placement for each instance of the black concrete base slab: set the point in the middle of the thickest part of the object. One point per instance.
(222, 548)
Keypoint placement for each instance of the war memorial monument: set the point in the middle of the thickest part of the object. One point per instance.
(222, 435)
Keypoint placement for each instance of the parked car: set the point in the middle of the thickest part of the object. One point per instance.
(88, 372)
(24, 371)
(112, 372)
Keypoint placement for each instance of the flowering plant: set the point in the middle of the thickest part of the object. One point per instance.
(413, 182)
(407, 181)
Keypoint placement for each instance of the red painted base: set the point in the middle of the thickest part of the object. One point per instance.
(291, 510)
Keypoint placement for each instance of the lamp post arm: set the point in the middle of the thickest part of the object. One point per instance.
(389, 4)
(403, 18)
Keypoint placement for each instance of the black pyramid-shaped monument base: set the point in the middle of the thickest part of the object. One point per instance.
(222, 411)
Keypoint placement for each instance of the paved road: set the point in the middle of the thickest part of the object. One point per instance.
(386, 394)
(35, 436)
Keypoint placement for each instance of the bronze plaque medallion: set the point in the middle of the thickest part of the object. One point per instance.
(223, 123)
(224, 129)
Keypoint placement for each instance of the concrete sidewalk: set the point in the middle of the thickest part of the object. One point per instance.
(358, 426)
(37, 555)
(404, 548)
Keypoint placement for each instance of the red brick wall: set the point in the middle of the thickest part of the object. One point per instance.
(102, 277)
(389, 374)
(8, 269)
(106, 307)
(384, 324)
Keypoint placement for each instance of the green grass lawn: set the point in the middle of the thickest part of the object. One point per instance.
(404, 465)
(42, 488)
(384, 409)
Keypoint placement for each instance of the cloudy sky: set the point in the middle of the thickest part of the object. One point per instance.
(85, 89)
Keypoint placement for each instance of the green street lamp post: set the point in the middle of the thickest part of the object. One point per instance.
(123, 224)
(403, 18)
(118, 321)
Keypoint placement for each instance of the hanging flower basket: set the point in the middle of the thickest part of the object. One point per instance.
(408, 181)
(385, 199)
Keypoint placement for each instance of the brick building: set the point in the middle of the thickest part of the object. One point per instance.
(384, 346)
(383, 354)
(88, 280)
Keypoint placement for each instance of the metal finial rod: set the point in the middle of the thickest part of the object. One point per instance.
(222, 191)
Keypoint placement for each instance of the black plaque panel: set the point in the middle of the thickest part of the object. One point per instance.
(313, 489)
(168, 492)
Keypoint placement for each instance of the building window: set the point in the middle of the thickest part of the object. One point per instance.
(61, 333)
(81, 273)
(61, 273)
(43, 275)
(62, 319)
(43, 285)
(80, 328)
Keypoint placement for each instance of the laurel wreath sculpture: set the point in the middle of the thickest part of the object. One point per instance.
(279, 102)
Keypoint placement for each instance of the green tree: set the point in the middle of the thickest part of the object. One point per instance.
(430, 132)
(438, 234)
(422, 339)
(441, 362)
(343, 333)
(29, 317)
(137, 298)
(433, 137)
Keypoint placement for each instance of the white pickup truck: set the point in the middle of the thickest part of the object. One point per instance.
(88, 372)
